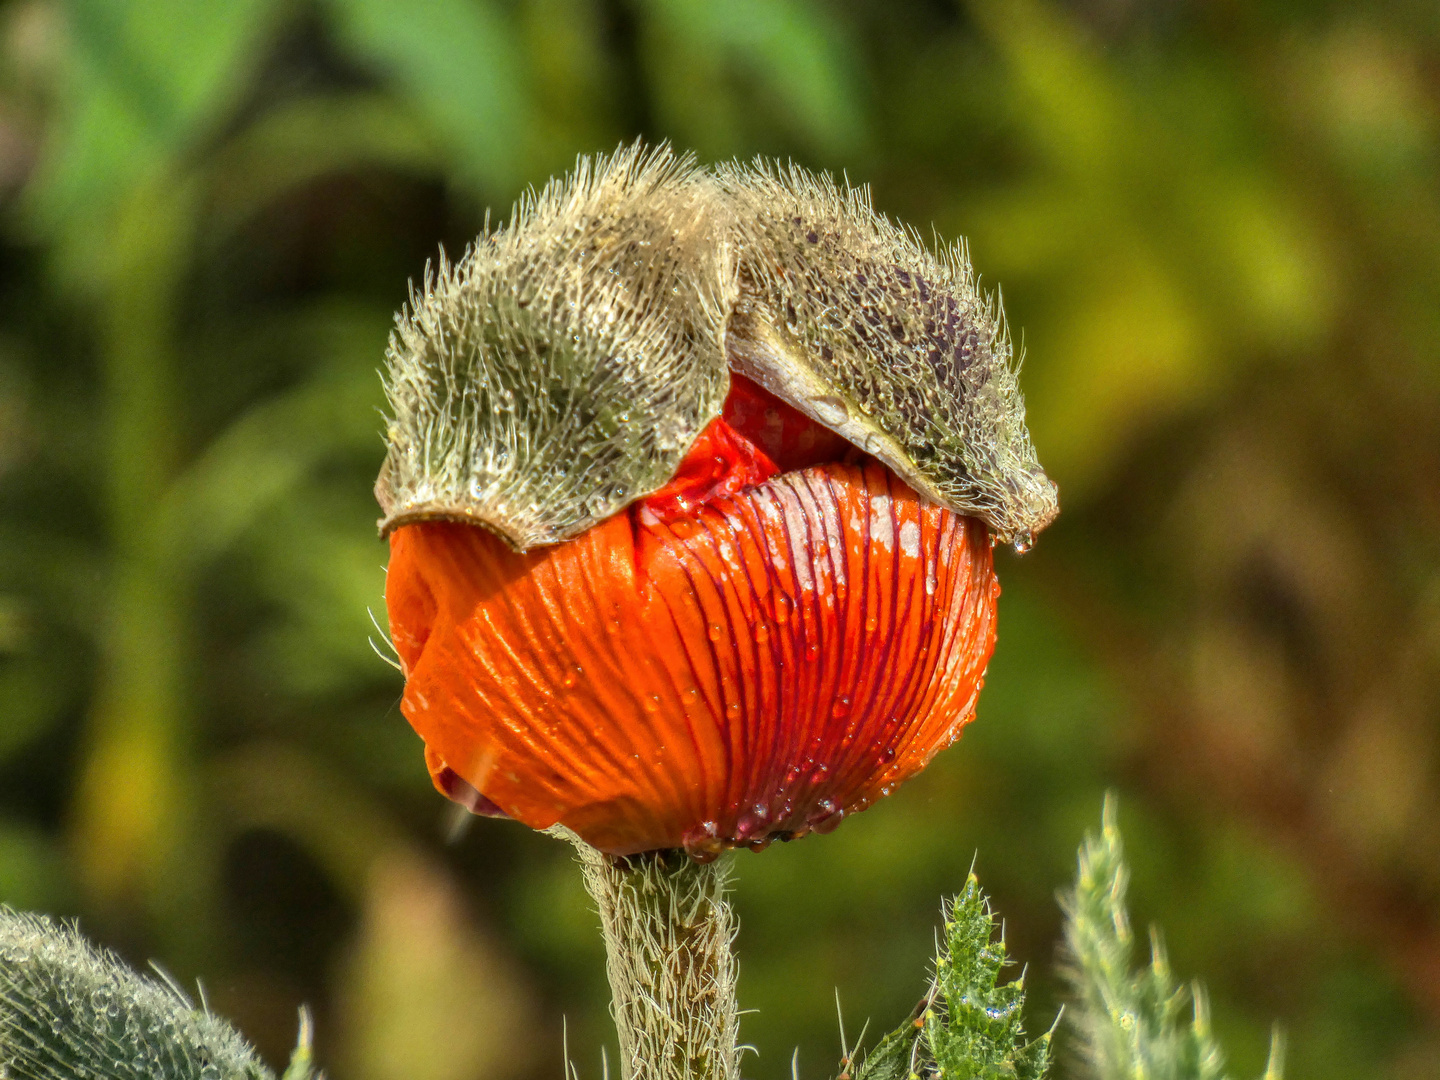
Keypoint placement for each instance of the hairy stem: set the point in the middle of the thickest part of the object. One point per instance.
(668, 931)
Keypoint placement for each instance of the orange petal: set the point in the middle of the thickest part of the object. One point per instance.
(777, 659)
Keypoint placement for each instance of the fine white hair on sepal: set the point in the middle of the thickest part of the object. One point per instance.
(68, 1009)
(564, 366)
(852, 319)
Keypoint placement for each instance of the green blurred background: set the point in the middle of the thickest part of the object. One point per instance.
(1218, 230)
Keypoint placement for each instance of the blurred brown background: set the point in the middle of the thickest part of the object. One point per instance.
(1217, 225)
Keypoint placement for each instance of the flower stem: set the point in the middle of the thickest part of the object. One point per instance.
(668, 931)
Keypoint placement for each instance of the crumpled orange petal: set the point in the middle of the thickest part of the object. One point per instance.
(777, 659)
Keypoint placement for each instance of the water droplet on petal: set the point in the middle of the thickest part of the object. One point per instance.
(752, 821)
(828, 823)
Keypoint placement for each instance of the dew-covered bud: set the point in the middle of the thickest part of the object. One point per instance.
(692, 486)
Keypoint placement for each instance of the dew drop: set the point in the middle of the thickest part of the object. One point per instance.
(841, 708)
(702, 842)
(828, 823)
(752, 821)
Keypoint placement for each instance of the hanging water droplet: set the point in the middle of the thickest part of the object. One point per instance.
(826, 823)
(702, 842)
(752, 821)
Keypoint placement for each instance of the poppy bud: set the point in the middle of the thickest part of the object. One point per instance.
(691, 492)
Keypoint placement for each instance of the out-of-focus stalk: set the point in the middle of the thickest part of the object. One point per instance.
(129, 797)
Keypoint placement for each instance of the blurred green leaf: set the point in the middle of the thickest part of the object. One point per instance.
(788, 47)
(310, 137)
(456, 61)
(327, 572)
(170, 62)
(266, 453)
(577, 85)
(145, 81)
(1169, 249)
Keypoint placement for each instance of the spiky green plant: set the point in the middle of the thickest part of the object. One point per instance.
(969, 1026)
(1132, 1025)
